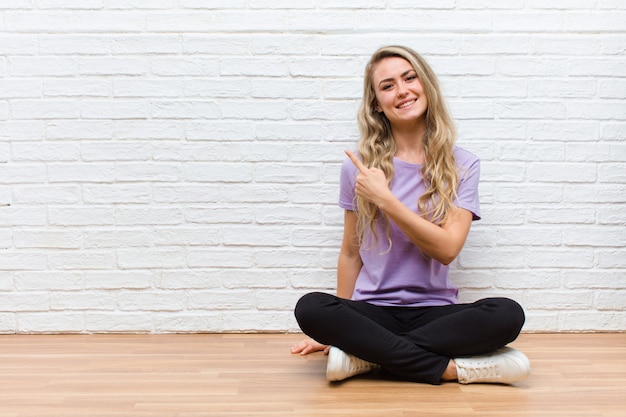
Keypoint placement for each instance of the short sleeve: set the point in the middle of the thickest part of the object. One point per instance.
(469, 176)
(347, 183)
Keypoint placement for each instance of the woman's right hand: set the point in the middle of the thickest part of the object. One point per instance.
(309, 345)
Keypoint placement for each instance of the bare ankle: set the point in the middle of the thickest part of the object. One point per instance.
(450, 373)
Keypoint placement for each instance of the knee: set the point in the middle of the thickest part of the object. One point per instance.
(513, 315)
(309, 307)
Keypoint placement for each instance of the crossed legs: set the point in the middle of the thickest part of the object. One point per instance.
(413, 343)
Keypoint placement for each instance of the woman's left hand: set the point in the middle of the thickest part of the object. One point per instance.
(309, 346)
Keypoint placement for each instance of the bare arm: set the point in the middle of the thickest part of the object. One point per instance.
(442, 243)
(349, 263)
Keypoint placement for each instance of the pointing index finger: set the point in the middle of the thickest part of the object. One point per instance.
(356, 161)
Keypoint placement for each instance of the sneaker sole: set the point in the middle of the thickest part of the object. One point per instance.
(335, 362)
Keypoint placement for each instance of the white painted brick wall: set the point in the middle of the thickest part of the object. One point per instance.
(172, 166)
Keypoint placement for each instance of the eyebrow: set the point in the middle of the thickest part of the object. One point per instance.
(404, 74)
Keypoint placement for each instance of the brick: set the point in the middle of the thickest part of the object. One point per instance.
(597, 236)
(611, 215)
(44, 109)
(102, 66)
(24, 215)
(118, 322)
(611, 300)
(116, 194)
(184, 66)
(596, 279)
(561, 215)
(74, 21)
(18, 44)
(256, 236)
(188, 279)
(560, 45)
(222, 300)
(117, 237)
(149, 172)
(599, 21)
(114, 109)
(565, 130)
(292, 214)
(611, 258)
(63, 239)
(528, 22)
(50, 152)
(187, 109)
(274, 278)
(217, 214)
(44, 66)
(81, 260)
(151, 258)
(596, 193)
(309, 237)
(79, 216)
(79, 129)
(52, 322)
(115, 280)
(218, 173)
(530, 109)
(291, 258)
(149, 215)
(186, 194)
(560, 258)
(145, 44)
(219, 258)
(142, 300)
(178, 322)
(75, 44)
(80, 172)
(599, 321)
(85, 300)
(77, 88)
(277, 300)
(16, 88)
(147, 129)
(602, 110)
(571, 300)
(147, 88)
(186, 236)
(562, 172)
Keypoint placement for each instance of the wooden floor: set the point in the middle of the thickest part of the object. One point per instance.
(255, 375)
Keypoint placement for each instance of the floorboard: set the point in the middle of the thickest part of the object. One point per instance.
(243, 375)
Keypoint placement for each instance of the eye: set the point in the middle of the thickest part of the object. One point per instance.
(411, 77)
(386, 87)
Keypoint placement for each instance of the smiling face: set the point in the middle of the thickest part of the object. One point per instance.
(399, 92)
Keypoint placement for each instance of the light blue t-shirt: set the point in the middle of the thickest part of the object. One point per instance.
(404, 276)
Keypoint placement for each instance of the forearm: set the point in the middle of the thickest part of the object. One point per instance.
(442, 243)
(348, 268)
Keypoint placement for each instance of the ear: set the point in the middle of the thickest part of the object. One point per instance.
(377, 108)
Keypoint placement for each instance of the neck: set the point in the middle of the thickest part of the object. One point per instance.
(410, 143)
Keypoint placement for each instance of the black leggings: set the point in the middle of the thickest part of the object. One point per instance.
(413, 343)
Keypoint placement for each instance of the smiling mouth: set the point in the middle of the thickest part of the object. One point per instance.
(406, 104)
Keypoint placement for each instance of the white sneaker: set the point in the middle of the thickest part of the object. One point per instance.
(342, 365)
(503, 366)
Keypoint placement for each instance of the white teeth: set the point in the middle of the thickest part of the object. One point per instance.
(408, 103)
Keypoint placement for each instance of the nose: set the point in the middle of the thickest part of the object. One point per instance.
(402, 90)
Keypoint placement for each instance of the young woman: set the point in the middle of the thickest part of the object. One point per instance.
(409, 198)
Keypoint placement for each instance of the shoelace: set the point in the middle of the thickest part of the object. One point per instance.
(486, 369)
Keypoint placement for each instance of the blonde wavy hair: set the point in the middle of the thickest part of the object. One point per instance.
(377, 146)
